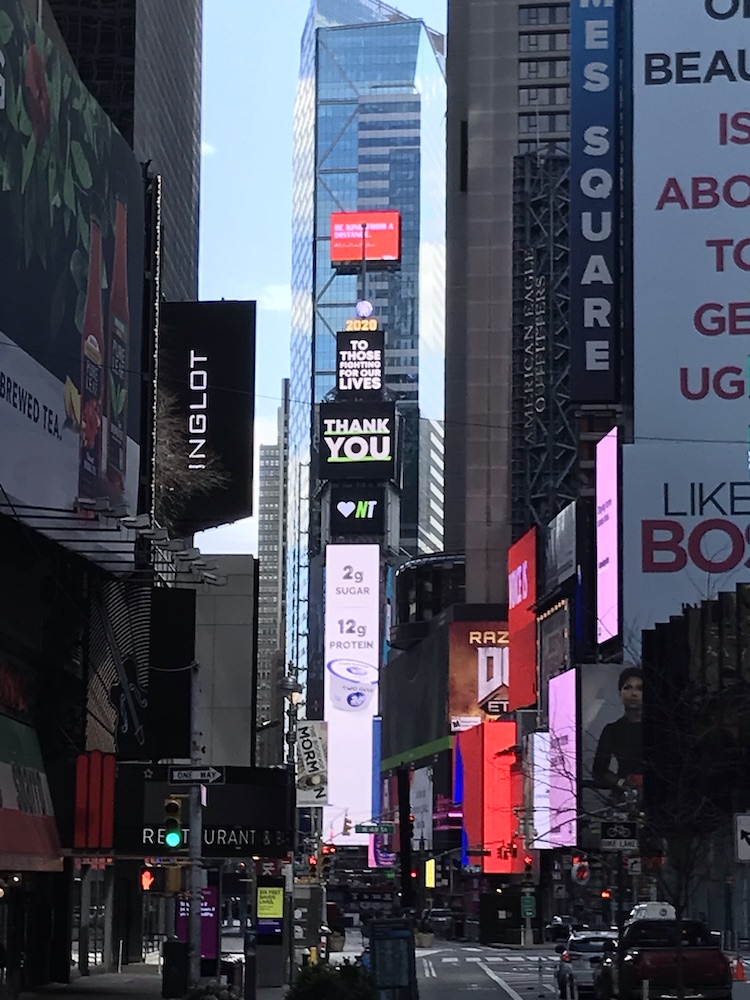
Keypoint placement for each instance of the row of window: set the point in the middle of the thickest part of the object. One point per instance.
(544, 69)
(543, 123)
(544, 15)
(543, 97)
(545, 42)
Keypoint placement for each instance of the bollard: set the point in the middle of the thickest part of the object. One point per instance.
(644, 989)
(540, 978)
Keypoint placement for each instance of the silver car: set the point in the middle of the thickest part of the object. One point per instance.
(580, 957)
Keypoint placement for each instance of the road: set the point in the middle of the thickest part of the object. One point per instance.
(449, 970)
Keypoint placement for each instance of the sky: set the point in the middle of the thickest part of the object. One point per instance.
(250, 66)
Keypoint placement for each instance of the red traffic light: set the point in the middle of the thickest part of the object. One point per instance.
(528, 860)
(606, 894)
(413, 874)
(329, 848)
(312, 859)
(147, 879)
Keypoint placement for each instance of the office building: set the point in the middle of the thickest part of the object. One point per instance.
(369, 135)
(142, 62)
(508, 111)
(272, 511)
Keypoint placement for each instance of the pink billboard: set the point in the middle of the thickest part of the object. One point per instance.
(563, 760)
(607, 552)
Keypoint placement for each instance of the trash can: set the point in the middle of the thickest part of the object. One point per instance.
(175, 969)
(233, 969)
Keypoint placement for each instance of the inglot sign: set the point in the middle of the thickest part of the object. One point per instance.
(357, 441)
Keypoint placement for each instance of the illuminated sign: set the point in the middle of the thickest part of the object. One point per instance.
(478, 681)
(352, 661)
(359, 360)
(522, 620)
(312, 763)
(357, 441)
(372, 236)
(607, 548)
(357, 511)
(563, 759)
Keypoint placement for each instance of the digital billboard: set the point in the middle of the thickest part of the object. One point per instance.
(489, 819)
(537, 757)
(594, 210)
(684, 522)
(686, 516)
(372, 236)
(360, 360)
(352, 664)
(357, 441)
(611, 736)
(478, 681)
(607, 539)
(563, 759)
(522, 621)
(554, 651)
(560, 548)
(207, 395)
(72, 257)
(357, 511)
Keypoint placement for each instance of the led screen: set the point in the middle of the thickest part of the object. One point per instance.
(378, 234)
(478, 673)
(538, 748)
(607, 553)
(563, 762)
(357, 441)
(352, 661)
(522, 621)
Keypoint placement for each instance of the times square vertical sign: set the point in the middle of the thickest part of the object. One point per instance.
(594, 200)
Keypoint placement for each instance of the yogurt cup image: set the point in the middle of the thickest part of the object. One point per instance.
(352, 684)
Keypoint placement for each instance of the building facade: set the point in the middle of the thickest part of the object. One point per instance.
(142, 63)
(508, 97)
(369, 135)
(272, 512)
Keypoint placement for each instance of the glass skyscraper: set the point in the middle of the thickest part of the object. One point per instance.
(369, 134)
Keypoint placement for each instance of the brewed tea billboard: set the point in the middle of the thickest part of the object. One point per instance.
(71, 255)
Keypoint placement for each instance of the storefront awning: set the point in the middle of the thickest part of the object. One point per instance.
(29, 839)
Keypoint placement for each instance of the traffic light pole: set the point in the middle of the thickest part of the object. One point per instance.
(196, 840)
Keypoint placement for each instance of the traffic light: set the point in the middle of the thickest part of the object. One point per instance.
(173, 823)
(327, 852)
(582, 873)
(147, 879)
(606, 894)
(347, 826)
(528, 866)
(153, 880)
(312, 865)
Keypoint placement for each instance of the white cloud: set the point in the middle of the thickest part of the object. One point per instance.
(207, 149)
(241, 538)
(275, 298)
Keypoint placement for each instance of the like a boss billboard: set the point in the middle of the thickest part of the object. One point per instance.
(686, 519)
(357, 441)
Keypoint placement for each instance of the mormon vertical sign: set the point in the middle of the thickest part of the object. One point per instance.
(594, 187)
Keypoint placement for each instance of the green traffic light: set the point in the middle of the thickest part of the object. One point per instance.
(173, 839)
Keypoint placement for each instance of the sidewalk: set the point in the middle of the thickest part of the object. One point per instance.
(134, 981)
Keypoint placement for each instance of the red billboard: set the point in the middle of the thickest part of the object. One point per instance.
(372, 236)
(522, 621)
(490, 793)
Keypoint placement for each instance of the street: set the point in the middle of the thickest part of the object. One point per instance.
(450, 969)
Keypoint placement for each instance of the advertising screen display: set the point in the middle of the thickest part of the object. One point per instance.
(611, 736)
(563, 762)
(560, 548)
(373, 236)
(607, 535)
(357, 510)
(489, 820)
(522, 621)
(421, 805)
(478, 682)
(594, 187)
(207, 389)
(685, 520)
(554, 651)
(359, 360)
(687, 516)
(72, 258)
(537, 752)
(357, 441)
(352, 663)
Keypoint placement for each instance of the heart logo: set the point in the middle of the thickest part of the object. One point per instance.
(346, 507)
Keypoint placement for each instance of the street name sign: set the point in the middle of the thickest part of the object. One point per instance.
(381, 828)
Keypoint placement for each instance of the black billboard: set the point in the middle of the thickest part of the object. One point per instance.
(205, 412)
(357, 441)
(249, 810)
(357, 510)
(72, 260)
(360, 361)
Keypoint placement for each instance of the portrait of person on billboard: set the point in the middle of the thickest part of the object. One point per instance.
(612, 735)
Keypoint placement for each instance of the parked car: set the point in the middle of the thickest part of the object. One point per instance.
(657, 950)
(580, 958)
(652, 911)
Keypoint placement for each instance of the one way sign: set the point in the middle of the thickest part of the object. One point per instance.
(742, 836)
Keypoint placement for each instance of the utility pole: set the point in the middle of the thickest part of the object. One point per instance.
(196, 838)
(404, 839)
